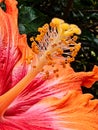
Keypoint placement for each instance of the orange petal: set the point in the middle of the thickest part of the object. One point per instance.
(91, 78)
(74, 111)
(71, 80)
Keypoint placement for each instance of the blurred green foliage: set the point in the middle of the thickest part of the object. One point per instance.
(84, 13)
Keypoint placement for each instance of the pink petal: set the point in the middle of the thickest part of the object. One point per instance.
(39, 88)
(73, 111)
(13, 48)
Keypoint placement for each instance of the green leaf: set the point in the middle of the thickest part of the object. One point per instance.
(94, 15)
(96, 41)
(30, 19)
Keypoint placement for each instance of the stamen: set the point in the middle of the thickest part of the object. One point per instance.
(57, 38)
(34, 66)
(63, 64)
(47, 74)
(31, 39)
(35, 47)
(57, 75)
(55, 70)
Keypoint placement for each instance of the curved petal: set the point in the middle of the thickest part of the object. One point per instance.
(39, 88)
(11, 43)
(73, 111)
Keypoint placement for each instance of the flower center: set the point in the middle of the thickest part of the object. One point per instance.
(53, 41)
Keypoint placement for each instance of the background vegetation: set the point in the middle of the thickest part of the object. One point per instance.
(84, 13)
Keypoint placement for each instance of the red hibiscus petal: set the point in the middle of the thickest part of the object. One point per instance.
(13, 48)
(73, 111)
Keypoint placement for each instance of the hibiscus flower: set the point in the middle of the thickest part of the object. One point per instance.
(38, 88)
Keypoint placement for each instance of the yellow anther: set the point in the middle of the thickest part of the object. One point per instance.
(69, 59)
(31, 39)
(47, 74)
(48, 56)
(52, 25)
(46, 26)
(73, 54)
(57, 75)
(72, 49)
(68, 33)
(54, 45)
(64, 26)
(35, 47)
(57, 21)
(65, 42)
(75, 29)
(50, 62)
(43, 29)
(53, 64)
(40, 29)
(75, 38)
(38, 38)
(42, 70)
(72, 59)
(59, 51)
(63, 64)
(34, 66)
(77, 47)
(55, 70)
